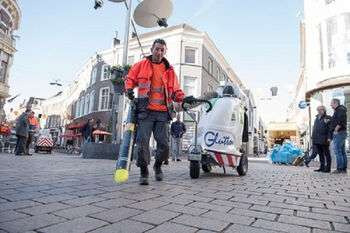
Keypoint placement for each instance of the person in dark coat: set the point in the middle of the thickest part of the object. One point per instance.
(86, 130)
(177, 131)
(320, 135)
(22, 129)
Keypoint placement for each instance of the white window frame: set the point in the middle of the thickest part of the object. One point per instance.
(105, 72)
(77, 108)
(218, 73)
(133, 60)
(106, 100)
(210, 65)
(93, 76)
(92, 100)
(195, 55)
(82, 101)
(194, 85)
(86, 104)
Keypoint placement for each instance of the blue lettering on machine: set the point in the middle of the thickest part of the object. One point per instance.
(213, 138)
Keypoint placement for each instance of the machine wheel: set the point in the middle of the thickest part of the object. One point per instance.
(194, 169)
(206, 168)
(242, 169)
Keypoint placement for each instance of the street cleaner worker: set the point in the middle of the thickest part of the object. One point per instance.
(158, 87)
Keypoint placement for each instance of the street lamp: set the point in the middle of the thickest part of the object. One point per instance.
(151, 12)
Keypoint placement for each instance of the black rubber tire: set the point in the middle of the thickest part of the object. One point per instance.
(194, 169)
(242, 169)
(206, 168)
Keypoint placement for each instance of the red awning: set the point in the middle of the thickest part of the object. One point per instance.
(77, 135)
(100, 132)
(75, 125)
(66, 135)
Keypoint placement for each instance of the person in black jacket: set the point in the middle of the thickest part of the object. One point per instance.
(177, 131)
(22, 129)
(320, 135)
(338, 135)
(86, 130)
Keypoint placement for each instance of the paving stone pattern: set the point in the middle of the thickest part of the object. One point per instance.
(61, 193)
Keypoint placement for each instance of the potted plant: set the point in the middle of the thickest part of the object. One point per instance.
(117, 78)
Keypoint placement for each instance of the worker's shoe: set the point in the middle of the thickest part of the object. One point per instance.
(157, 167)
(144, 176)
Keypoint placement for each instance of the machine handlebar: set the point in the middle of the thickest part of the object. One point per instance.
(195, 100)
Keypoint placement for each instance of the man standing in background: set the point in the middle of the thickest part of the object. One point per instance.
(22, 127)
(177, 131)
(320, 135)
(338, 134)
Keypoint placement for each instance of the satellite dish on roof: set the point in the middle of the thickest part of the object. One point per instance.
(151, 13)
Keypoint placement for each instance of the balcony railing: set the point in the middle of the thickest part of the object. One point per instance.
(7, 39)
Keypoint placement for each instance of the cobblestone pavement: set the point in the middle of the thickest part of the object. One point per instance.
(60, 193)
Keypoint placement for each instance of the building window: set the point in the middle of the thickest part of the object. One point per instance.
(93, 75)
(105, 72)
(218, 73)
(223, 77)
(210, 66)
(4, 65)
(87, 101)
(320, 45)
(92, 99)
(77, 108)
(347, 36)
(104, 98)
(82, 106)
(328, 1)
(190, 55)
(131, 60)
(189, 85)
(210, 87)
(332, 41)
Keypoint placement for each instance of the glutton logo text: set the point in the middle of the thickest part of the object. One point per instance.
(213, 138)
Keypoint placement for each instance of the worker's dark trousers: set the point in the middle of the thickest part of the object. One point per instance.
(156, 122)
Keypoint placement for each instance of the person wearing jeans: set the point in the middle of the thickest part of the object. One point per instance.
(338, 134)
(312, 156)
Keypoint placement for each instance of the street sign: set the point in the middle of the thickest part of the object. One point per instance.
(303, 104)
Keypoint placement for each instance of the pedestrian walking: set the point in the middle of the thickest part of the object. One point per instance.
(33, 128)
(177, 131)
(338, 135)
(320, 134)
(312, 156)
(69, 146)
(86, 130)
(158, 87)
(22, 128)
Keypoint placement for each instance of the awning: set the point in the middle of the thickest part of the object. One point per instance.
(78, 135)
(75, 125)
(100, 132)
(66, 135)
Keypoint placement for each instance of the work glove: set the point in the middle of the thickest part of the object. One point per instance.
(130, 94)
(189, 100)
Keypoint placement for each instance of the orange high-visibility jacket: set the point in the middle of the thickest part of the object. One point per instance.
(140, 76)
(33, 125)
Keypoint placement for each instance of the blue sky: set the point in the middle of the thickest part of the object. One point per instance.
(259, 39)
